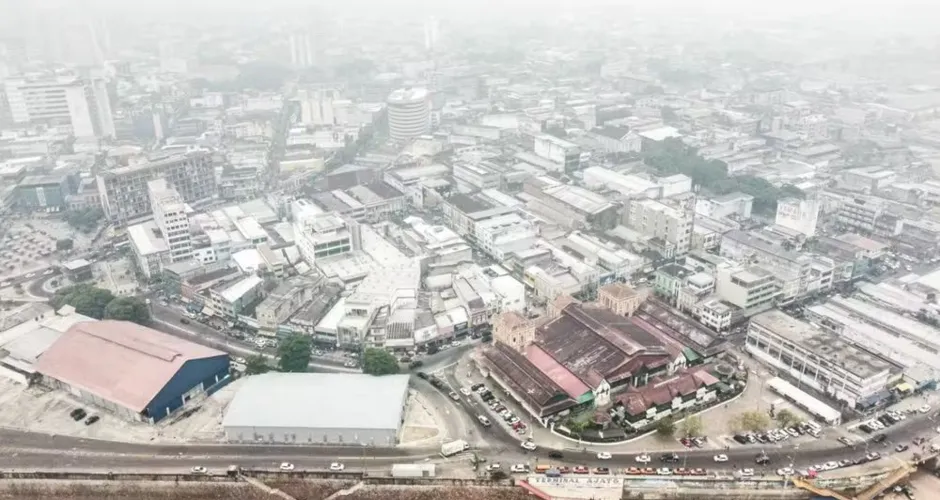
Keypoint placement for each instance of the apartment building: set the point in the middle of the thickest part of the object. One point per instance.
(169, 213)
(124, 194)
(79, 103)
(230, 299)
(326, 235)
(659, 220)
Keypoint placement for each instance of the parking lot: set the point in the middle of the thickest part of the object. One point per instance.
(30, 244)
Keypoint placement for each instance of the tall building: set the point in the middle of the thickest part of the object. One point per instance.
(169, 213)
(79, 102)
(432, 29)
(124, 191)
(409, 113)
(659, 220)
(302, 49)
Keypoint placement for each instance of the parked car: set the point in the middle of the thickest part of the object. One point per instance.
(556, 455)
(199, 470)
(337, 467)
(92, 419)
(287, 466)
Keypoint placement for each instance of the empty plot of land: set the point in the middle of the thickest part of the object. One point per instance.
(421, 422)
(19, 490)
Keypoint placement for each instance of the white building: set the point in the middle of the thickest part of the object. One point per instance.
(737, 204)
(79, 103)
(169, 213)
(149, 247)
(409, 113)
(626, 184)
(302, 50)
(327, 235)
(798, 215)
(230, 300)
(659, 220)
(503, 234)
(565, 154)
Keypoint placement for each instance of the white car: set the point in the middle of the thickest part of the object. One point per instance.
(336, 467)
(747, 472)
(199, 470)
(492, 467)
(465, 391)
(519, 468)
(47, 272)
(30, 275)
(529, 445)
(286, 466)
(830, 466)
(721, 458)
(643, 459)
(603, 455)
(786, 471)
(924, 409)
(664, 471)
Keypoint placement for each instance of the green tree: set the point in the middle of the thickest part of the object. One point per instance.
(378, 362)
(787, 418)
(294, 353)
(691, 426)
(128, 309)
(86, 299)
(64, 244)
(753, 421)
(256, 365)
(84, 219)
(666, 427)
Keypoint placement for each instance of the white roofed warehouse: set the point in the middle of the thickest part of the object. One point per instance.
(318, 408)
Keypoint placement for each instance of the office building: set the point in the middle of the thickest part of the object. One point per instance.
(169, 213)
(746, 288)
(124, 194)
(409, 113)
(302, 49)
(824, 361)
(79, 103)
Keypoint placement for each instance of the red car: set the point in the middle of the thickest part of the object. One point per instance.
(564, 470)
(698, 472)
(632, 471)
(648, 471)
(582, 470)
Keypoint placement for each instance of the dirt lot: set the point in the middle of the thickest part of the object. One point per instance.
(301, 490)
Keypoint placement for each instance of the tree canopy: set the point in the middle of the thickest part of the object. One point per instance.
(666, 427)
(85, 219)
(378, 362)
(672, 157)
(128, 309)
(64, 244)
(256, 365)
(753, 421)
(691, 426)
(86, 299)
(294, 353)
(786, 418)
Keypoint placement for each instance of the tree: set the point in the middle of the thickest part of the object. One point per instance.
(787, 418)
(128, 309)
(84, 219)
(691, 426)
(294, 353)
(256, 365)
(666, 427)
(753, 421)
(86, 299)
(64, 244)
(378, 362)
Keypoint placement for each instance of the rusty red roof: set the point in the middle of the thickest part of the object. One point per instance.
(554, 370)
(119, 361)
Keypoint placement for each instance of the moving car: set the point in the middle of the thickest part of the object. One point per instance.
(199, 470)
(453, 395)
(465, 391)
(721, 458)
(901, 447)
(493, 467)
(286, 466)
(519, 468)
(846, 441)
(786, 471)
(669, 457)
(643, 459)
(92, 419)
(529, 445)
(483, 420)
(924, 409)
(746, 472)
(556, 454)
(603, 455)
(337, 467)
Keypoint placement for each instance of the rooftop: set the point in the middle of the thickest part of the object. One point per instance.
(240, 288)
(119, 361)
(833, 348)
(319, 400)
(524, 379)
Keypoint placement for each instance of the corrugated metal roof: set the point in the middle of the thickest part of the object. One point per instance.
(319, 400)
(119, 361)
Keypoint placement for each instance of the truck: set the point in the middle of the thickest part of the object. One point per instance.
(413, 470)
(454, 447)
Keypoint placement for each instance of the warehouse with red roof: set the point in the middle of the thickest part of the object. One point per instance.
(131, 370)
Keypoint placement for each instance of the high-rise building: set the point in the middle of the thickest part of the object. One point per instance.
(409, 113)
(432, 29)
(79, 102)
(124, 191)
(169, 213)
(302, 49)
